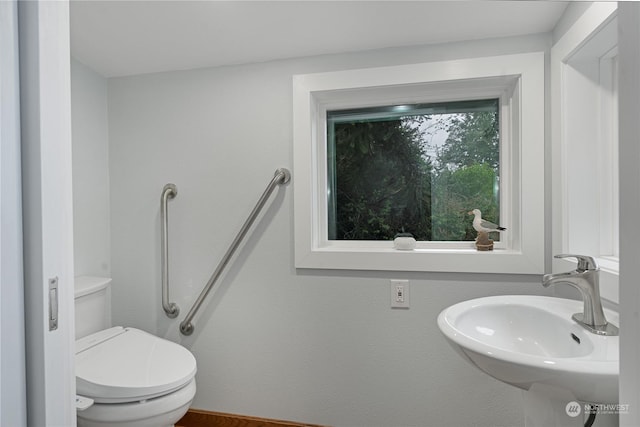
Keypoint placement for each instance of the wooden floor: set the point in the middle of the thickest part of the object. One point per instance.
(199, 418)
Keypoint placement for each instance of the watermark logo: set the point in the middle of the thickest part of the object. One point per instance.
(607, 408)
(573, 409)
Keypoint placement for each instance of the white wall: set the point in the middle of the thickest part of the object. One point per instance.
(90, 145)
(316, 346)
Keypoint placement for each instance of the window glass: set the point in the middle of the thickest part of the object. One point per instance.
(413, 168)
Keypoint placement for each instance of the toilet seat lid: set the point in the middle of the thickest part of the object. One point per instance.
(127, 365)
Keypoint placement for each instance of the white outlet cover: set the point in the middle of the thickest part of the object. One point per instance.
(400, 293)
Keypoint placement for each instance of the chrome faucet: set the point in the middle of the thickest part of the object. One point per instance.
(586, 279)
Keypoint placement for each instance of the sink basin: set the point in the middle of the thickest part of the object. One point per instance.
(524, 340)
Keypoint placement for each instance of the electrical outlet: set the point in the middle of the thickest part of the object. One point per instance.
(399, 293)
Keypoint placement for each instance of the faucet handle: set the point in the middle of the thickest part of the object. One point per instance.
(584, 262)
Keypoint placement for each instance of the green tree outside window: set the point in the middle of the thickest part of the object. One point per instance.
(417, 169)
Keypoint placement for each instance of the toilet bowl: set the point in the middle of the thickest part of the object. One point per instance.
(162, 411)
(134, 379)
(125, 376)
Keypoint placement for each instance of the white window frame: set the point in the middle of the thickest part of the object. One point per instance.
(584, 85)
(517, 80)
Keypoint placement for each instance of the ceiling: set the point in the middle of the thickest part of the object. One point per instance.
(118, 38)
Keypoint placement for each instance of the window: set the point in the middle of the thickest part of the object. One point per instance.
(412, 168)
(585, 144)
(421, 106)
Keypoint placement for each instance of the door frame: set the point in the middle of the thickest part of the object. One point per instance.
(45, 110)
(629, 131)
(12, 352)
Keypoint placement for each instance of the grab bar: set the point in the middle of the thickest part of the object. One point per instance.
(170, 308)
(282, 176)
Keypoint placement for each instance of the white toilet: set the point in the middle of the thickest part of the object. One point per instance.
(124, 376)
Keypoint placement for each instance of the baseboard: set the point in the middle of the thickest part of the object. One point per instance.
(200, 418)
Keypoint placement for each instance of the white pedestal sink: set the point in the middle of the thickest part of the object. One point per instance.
(532, 343)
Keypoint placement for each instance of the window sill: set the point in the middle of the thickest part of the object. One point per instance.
(503, 261)
(609, 281)
(609, 278)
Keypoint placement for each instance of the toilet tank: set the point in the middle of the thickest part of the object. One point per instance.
(92, 304)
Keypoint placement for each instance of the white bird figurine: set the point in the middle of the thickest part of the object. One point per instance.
(480, 224)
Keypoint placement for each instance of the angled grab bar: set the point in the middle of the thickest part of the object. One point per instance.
(282, 176)
(170, 308)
